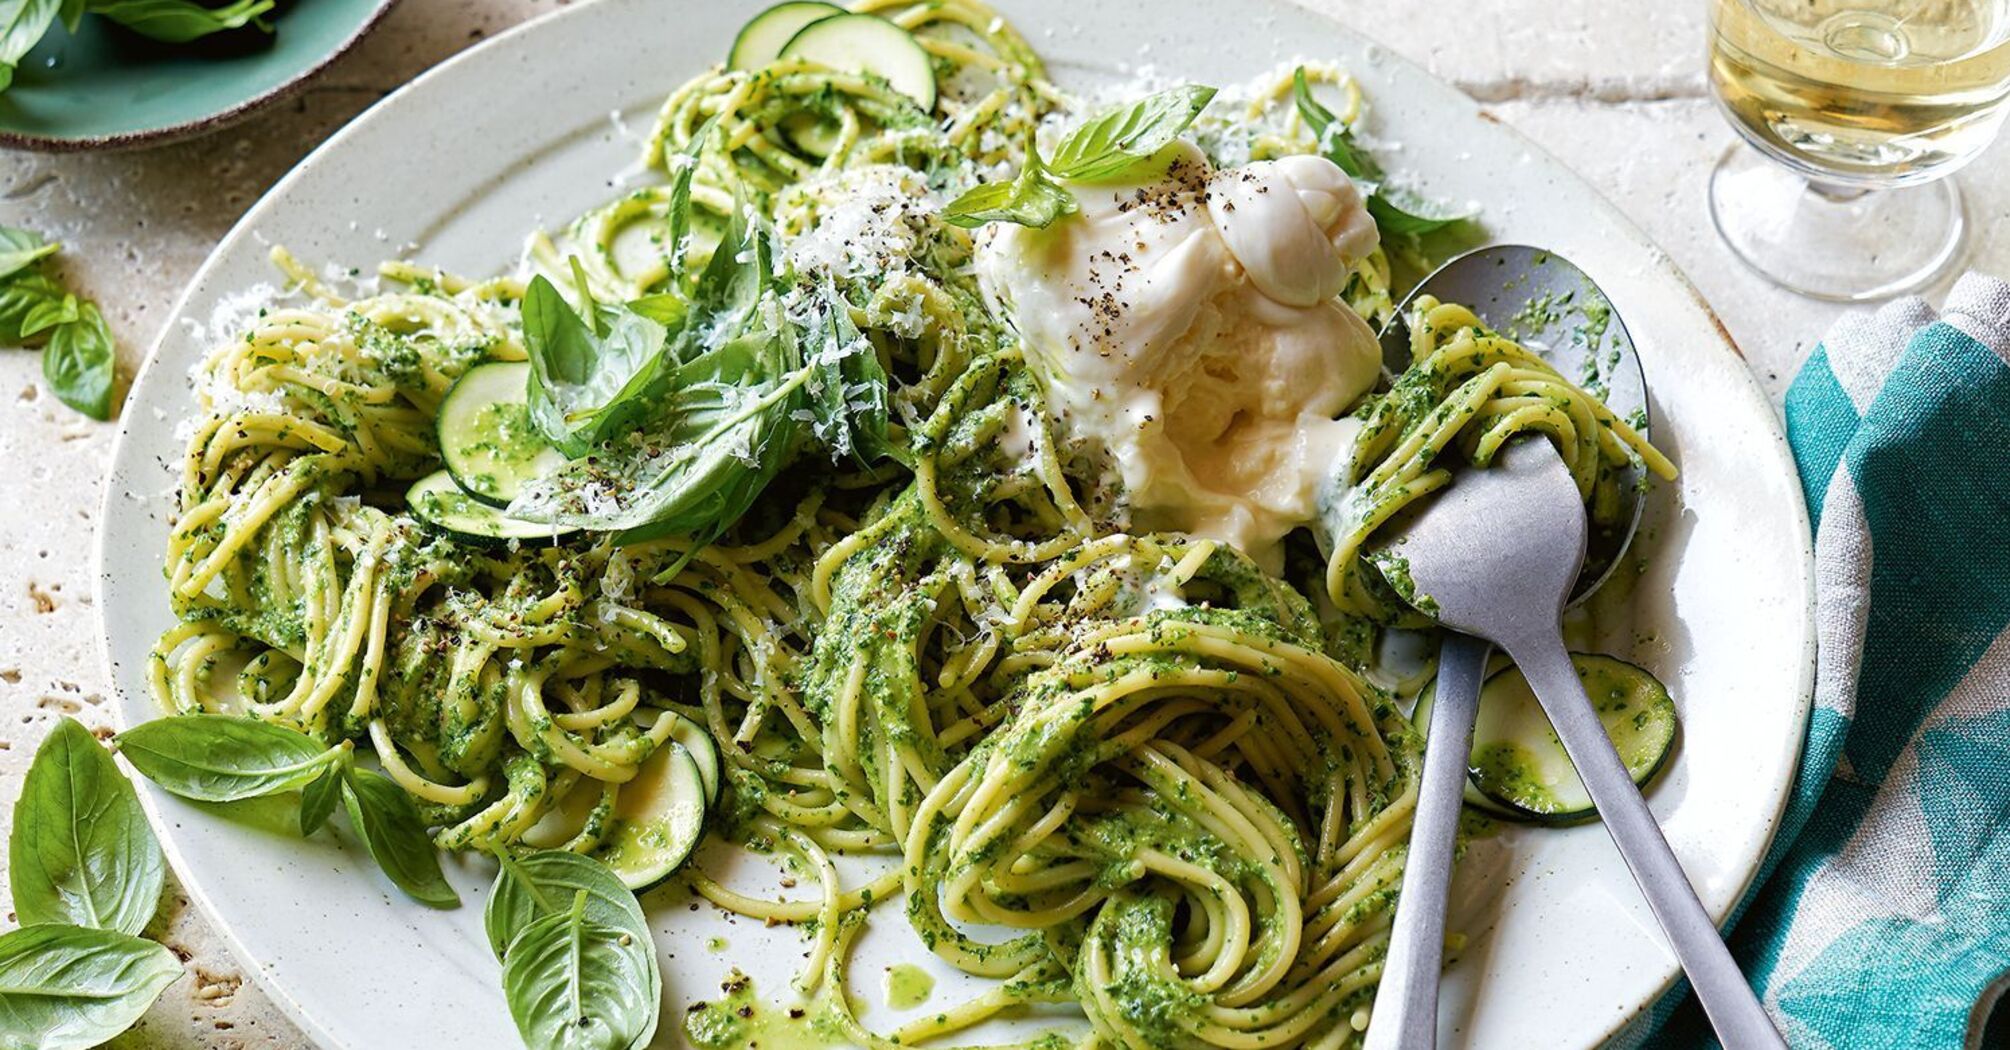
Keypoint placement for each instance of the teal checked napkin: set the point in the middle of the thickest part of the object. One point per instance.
(1882, 917)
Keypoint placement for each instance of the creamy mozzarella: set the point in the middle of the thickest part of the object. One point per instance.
(1189, 327)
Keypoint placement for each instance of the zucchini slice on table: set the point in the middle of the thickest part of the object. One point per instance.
(487, 439)
(1518, 768)
(868, 44)
(659, 816)
(762, 38)
(438, 501)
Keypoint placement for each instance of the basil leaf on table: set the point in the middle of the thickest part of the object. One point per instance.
(26, 299)
(577, 984)
(225, 758)
(1119, 138)
(79, 362)
(1031, 199)
(20, 249)
(591, 376)
(179, 21)
(23, 23)
(80, 851)
(71, 987)
(389, 826)
(318, 798)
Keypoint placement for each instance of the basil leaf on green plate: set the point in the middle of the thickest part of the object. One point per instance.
(224, 758)
(179, 21)
(80, 851)
(23, 23)
(575, 984)
(389, 826)
(72, 987)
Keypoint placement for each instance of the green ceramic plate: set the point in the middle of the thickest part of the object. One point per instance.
(103, 87)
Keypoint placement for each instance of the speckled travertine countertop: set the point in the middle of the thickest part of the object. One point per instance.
(1614, 87)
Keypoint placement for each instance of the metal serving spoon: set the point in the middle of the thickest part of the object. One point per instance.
(1491, 592)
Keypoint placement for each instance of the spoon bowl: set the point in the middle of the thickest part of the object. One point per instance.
(1543, 301)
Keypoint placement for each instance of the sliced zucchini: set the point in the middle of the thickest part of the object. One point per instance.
(487, 439)
(855, 43)
(659, 816)
(1421, 718)
(439, 502)
(1519, 764)
(698, 740)
(761, 39)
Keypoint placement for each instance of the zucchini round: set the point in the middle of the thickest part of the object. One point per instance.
(487, 439)
(1518, 763)
(659, 816)
(438, 501)
(868, 44)
(1421, 718)
(762, 38)
(697, 739)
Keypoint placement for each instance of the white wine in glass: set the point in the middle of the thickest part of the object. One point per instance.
(1855, 111)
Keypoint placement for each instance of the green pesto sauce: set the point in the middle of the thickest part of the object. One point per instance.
(740, 1020)
(908, 986)
(715, 945)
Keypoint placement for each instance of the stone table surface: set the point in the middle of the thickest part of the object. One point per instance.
(1615, 89)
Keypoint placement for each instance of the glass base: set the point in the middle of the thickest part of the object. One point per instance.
(1837, 243)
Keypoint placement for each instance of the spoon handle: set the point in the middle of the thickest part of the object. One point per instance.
(1406, 1005)
(1741, 1023)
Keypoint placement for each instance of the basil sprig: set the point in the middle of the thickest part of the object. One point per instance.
(579, 967)
(1111, 144)
(80, 851)
(223, 758)
(87, 876)
(1396, 210)
(79, 357)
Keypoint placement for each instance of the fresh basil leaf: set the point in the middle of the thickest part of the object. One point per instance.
(48, 314)
(677, 214)
(318, 798)
(740, 272)
(1401, 211)
(180, 21)
(72, 987)
(726, 427)
(20, 249)
(81, 852)
(71, 14)
(1335, 143)
(535, 885)
(28, 297)
(384, 819)
(592, 376)
(1119, 138)
(576, 984)
(225, 758)
(848, 390)
(23, 23)
(1032, 199)
(79, 363)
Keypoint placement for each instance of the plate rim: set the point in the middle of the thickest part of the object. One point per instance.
(209, 122)
(1792, 747)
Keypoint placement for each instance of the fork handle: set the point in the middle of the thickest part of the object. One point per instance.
(1405, 1016)
(1741, 1023)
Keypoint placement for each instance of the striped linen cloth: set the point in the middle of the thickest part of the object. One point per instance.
(1882, 917)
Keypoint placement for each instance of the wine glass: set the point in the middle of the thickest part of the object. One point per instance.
(1853, 113)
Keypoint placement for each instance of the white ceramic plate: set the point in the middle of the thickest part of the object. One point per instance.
(517, 132)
